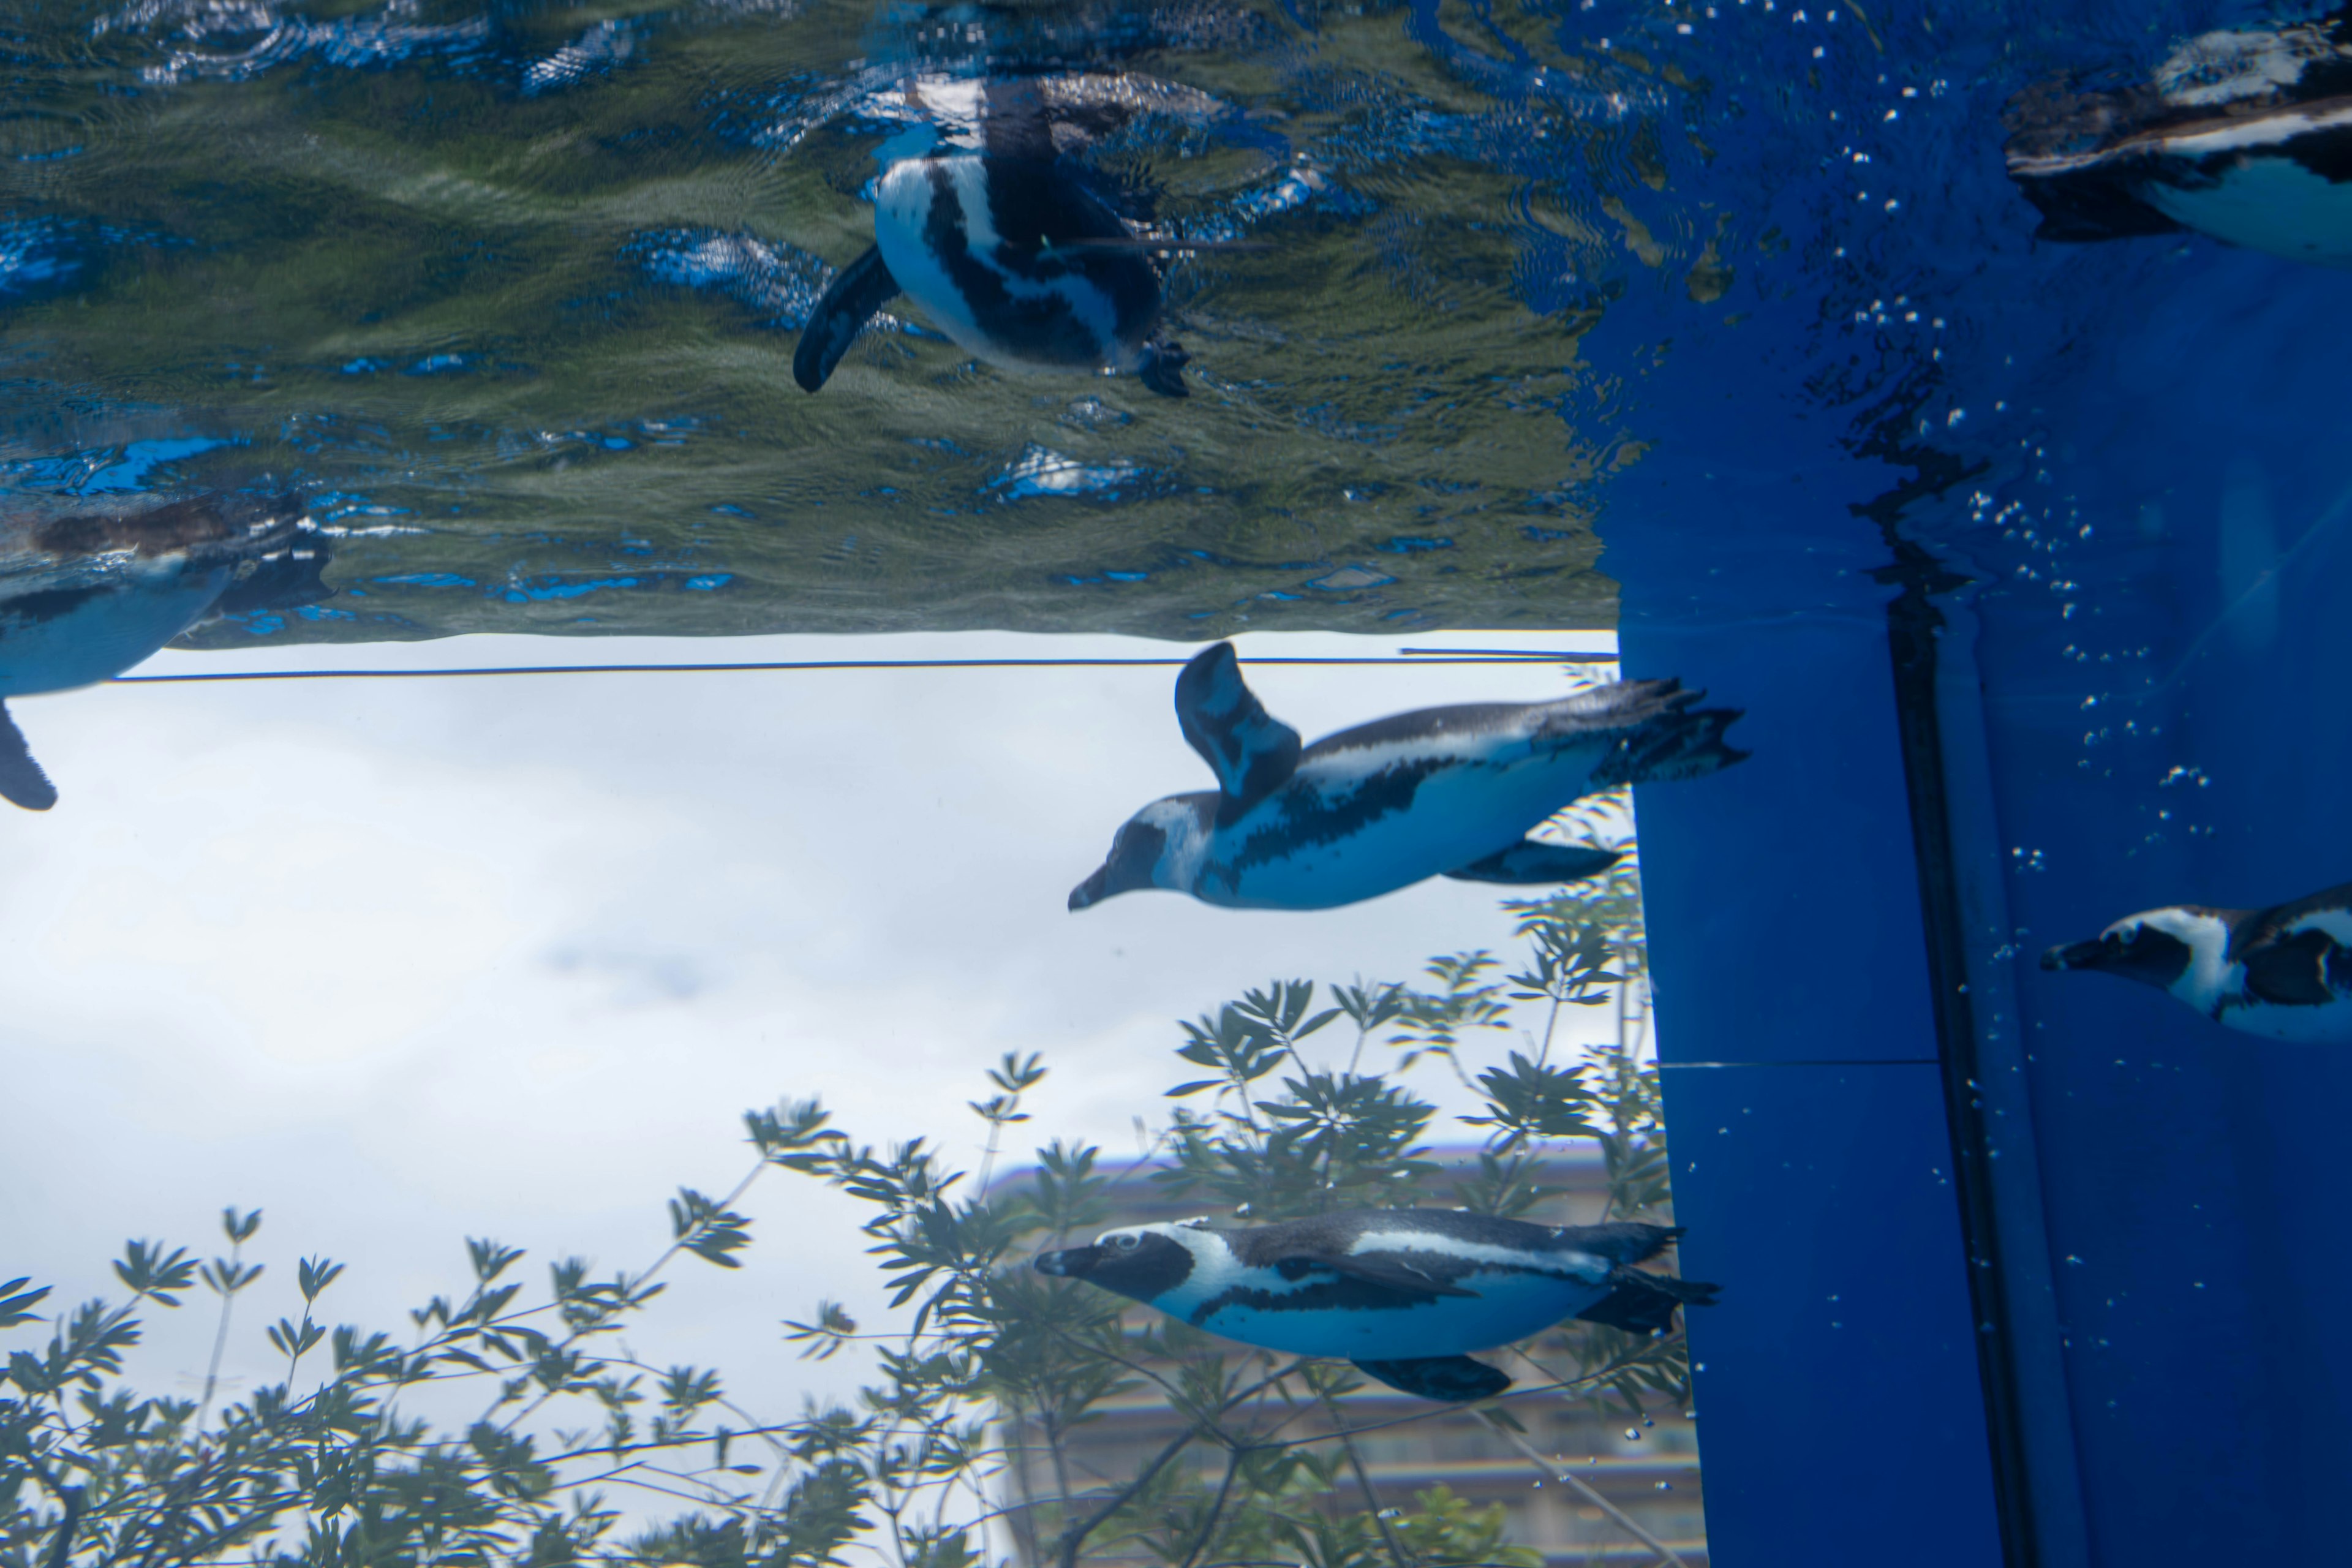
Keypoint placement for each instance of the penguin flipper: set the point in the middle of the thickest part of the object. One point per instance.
(2292, 973)
(1531, 861)
(1453, 1379)
(1251, 753)
(1391, 1275)
(1641, 1303)
(22, 782)
(1664, 737)
(858, 291)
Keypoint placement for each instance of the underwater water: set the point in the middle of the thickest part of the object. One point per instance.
(583, 584)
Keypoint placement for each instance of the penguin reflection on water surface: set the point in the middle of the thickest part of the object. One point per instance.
(1008, 253)
(84, 597)
(1403, 1293)
(2245, 135)
(2284, 973)
(1448, 792)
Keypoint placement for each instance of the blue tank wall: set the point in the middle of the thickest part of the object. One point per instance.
(2168, 1252)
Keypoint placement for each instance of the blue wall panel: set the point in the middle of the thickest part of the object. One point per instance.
(1839, 1420)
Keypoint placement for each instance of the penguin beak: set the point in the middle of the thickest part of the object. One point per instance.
(1070, 1263)
(2080, 955)
(1093, 890)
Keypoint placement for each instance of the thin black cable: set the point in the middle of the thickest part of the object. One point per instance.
(1421, 656)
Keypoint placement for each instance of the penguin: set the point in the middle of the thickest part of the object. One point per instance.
(1445, 792)
(2284, 973)
(2245, 136)
(1403, 1293)
(1004, 248)
(86, 596)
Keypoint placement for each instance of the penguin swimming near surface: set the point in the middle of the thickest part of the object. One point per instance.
(1403, 1293)
(1003, 247)
(1449, 792)
(2242, 135)
(84, 597)
(2284, 972)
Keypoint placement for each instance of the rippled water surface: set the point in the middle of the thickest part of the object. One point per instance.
(514, 293)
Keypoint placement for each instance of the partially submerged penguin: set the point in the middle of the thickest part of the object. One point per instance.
(87, 596)
(1403, 1293)
(1448, 792)
(2242, 135)
(2284, 972)
(1005, 249)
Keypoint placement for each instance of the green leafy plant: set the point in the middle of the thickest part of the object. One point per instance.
(968, 1437)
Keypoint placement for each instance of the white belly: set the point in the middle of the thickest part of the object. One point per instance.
(1508, 1308)
(1464, 814)
(902, 201)
(902, 206)
(2269, 203)
(2329, 1023)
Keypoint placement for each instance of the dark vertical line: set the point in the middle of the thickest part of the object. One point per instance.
(1913, 625)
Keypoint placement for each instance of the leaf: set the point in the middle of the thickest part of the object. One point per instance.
(146, 1271)
(15, 1300)
(489, 1259)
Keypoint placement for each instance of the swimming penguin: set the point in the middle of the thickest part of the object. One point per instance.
(1445, 792)
(2245, 136)
(1004, 248)
(2284, 973)
(86, 596)
(1403, 1293)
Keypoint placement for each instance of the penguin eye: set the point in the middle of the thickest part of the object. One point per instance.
(1123, 1242)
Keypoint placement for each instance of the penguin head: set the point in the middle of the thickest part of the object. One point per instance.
(1141, 1261)
(1144, 852)
(2156, 948)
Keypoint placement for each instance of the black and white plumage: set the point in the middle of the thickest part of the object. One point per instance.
(1404, 1293)
(1004, 247)
(2242, 135)
(85, 596)
(2284, 973)
(1447, 792)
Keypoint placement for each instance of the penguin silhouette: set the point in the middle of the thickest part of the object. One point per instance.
(2243, 134)
(86, 596)
(1004, 247)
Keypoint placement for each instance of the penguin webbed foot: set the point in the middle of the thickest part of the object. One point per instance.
(1643, 1303)
(1451, 1379)
(1531, 862)
(1162, 369)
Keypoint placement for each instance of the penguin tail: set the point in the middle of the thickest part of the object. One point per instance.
(1671, 740)
(1627, 1241)
(1643, 1303)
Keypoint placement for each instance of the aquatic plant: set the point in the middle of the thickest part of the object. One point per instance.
(962, 1438)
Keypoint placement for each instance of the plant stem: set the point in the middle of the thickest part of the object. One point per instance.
(1364, 1482)
(1208, 1525)
(1076, 1535)
(220, 1336)
(1569, 1478)
(630, 1287)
